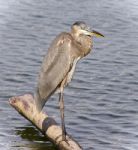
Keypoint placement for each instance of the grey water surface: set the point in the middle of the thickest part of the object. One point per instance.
(101, 101)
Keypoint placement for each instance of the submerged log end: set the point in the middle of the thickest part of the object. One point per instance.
(25, 105)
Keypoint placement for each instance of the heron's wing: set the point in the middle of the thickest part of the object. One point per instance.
(55, 66)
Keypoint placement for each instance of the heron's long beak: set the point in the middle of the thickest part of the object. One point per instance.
(97, 34)
(92, 33)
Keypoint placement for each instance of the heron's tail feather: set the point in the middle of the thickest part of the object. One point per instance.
(39, 102)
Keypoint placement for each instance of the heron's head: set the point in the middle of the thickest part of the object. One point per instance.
(80, 28)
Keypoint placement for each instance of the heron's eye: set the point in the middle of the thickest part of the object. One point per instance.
(88, 28)
(83, 26)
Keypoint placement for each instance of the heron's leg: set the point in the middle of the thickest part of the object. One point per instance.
(61, 103)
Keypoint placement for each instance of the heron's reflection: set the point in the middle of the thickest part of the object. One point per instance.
(33, 139)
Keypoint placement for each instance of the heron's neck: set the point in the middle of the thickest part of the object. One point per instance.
(85, 43)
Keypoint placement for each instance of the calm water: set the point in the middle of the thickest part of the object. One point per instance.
(102, 100)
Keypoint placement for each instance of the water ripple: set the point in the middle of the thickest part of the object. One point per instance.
(102, 100)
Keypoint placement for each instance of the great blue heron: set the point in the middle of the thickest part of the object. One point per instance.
(59, 64)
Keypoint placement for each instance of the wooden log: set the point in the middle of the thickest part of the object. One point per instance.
(25, 105)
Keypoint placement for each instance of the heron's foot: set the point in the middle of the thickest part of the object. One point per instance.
(64, 137)
(65, 140)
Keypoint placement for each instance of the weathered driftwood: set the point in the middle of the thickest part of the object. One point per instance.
(26, 107)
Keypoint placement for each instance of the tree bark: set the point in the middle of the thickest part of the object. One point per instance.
(25, 105)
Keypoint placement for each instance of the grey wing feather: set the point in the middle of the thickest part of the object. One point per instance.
(55, 66)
